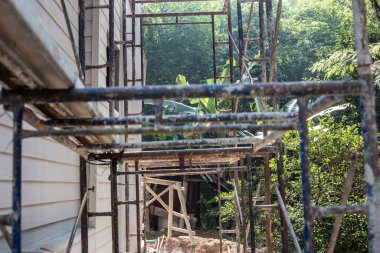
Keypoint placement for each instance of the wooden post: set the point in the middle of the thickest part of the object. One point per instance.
(184, 212)
(170, 212)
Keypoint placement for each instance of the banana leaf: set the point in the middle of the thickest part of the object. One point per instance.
(173, 106)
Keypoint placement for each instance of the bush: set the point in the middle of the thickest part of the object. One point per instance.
(330, 145)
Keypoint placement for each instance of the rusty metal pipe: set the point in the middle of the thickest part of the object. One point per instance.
(174, 119)
(182, 152)
(158, 130)
(177, 143)
(303, 88)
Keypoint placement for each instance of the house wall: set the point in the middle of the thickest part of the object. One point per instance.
(50, 181)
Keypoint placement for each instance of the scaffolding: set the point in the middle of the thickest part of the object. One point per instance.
(219, 154)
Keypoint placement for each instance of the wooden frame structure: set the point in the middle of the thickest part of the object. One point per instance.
(171, 186)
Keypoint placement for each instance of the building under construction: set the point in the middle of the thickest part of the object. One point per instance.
(76, 175)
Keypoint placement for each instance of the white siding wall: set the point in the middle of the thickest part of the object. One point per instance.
(50, 186)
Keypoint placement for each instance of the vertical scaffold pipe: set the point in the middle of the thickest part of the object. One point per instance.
(241, 38)
(133, 10)
(138, 220)
(243, 199)
(111, 51)
(114, 208)
(368, 115)
(81, 40)
(250, 203)
(16, 191)
(213, 47)
(261, 41)
(125, 83)
(306, 193)
(230, 42)
(84, 216)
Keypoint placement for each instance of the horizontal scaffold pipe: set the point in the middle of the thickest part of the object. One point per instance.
(176, 143)
(181, 92)
(177, 14)
(177, 23)
(161, 154)
(172, 1)
(175, 119)
(190, 171)
(159, 130)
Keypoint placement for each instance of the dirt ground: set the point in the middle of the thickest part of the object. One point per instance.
(182, 244)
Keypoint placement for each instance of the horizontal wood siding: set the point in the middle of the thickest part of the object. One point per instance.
(50, 181)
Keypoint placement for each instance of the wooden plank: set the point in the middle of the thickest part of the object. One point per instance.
(185, 231)
(230, 231)
(170, 212)
(150, 180)
(184, 211)
(185, 187)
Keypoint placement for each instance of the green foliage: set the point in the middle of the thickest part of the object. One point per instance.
(330, 147)
(181, 80)
(313, 30)
(185, 49)
(209, 214)
(343, 62)
(331, 144)
(310, 30)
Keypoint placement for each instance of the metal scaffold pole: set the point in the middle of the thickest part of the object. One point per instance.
(250, 203)
(306, 192)
(84, 216)
(16, 178)
(369, 126)
(138, 219)
(114, 207)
